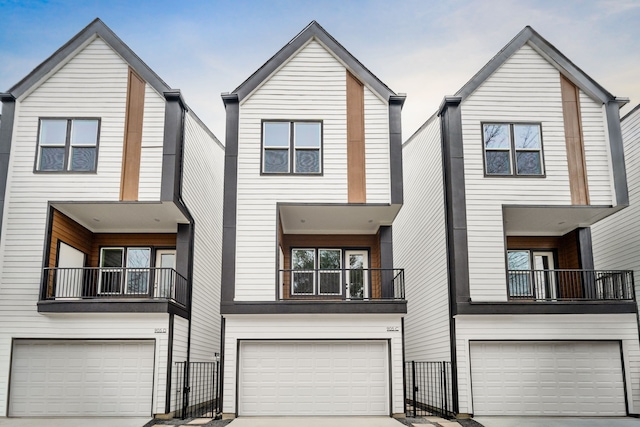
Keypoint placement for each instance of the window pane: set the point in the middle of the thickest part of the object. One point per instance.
(520, 285)
(138, 258)
(498, 163)
(528, 163)
(84, 132)
(303, 259)
(330, 282)
(276, 134)
(518, 260)
(138, 262)
(302, 282)
(330, 259)
(53, 132)
(527, 136)
(496, 136)
(51, 159)
(307, 135)
(83, 159)
(111, 258)
(276, 161)
(307, 161)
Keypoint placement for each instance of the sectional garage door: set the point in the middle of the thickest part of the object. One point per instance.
(313, 378)
(81, 378)
(547, 378)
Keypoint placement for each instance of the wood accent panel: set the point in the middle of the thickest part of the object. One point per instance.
(333, 241)
(64, 229)
(132, 147)
(356, 167)
(575, 142)
(532, 242)
(161, 240)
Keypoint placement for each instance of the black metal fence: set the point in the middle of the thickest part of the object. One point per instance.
(197, 389)
(428, 389)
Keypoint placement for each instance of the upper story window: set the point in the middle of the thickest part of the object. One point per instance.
(68, 145)
(291, 147)
(512, 149)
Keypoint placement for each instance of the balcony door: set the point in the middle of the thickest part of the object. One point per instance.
(164, 277)
(357, 281)
(544, 276)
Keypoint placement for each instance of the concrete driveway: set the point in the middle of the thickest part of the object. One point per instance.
(73, 422)
(558, 421)
(315, 422)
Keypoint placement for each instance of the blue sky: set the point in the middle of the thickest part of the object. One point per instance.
(424, 48)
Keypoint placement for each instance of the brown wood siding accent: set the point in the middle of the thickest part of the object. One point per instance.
(333, 241)
(64, 229)
(101, 240)
(132, 147)
(356, 167)
(566, 248)
(575, 143)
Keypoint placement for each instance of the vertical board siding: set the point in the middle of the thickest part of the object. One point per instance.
(93, 83)
(355, 141)
(312, 327)
(549, 327)
(202, 188)
(152, 145)
(419, 246)
(132, 147)
(526, 88)
(310, 86)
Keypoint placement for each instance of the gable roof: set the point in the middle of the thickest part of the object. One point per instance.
(96, 27)
(551, 54)
(313, 30)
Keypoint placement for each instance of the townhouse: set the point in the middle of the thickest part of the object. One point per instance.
(503, 185)
(312, 305)
(111, 195)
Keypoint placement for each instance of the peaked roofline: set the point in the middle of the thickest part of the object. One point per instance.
(549, 52)
(99, 28)
(310, 31)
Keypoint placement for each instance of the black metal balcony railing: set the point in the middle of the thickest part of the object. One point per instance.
(568, 285)
(346, 284)
(114, 282)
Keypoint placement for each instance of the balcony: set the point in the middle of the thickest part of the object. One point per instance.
(571, 285)
(70, 286)
(348, 285)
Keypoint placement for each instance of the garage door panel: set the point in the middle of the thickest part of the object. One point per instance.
(81, 378)
(313, 378)
(547, 378)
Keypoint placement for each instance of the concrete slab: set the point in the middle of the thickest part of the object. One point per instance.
(315, 422)
(74, 422)
(558, 421)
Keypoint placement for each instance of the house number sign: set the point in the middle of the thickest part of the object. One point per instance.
(393, 328)
(161, 330)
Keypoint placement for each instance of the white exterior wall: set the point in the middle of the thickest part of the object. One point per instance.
(29, 324)
(526, 88)
(376, 136)
(202, 189)
(548, 327)
(312, 327)
(310, 86)
(616, 239)
(420, 247)
(180, 344)
(152, 145)
(93, 83)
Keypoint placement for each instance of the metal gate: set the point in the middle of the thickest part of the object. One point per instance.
(428, 389)
(197, 389)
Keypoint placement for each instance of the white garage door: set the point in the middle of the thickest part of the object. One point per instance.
(547, 378)
(313, 378)
(81, 378)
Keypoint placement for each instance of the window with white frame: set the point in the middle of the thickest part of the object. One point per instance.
(512, 149)
(316, 272)
(67, 145)
(291, 147)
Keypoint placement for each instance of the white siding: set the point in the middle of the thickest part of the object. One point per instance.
(376, 136)
(420, 247)
(312, 327)
(310, 86)
(202, 189)
(152, 144)
(180, 343)
(616, 239)
(30, 324)
(548, 327)
(526, 88)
